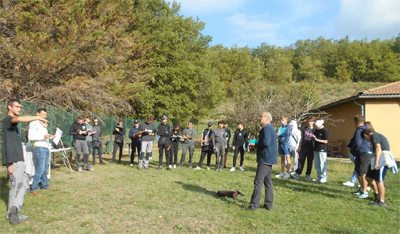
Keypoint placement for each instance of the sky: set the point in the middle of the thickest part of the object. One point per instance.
(283, 22)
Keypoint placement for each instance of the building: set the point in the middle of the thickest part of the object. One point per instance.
(379, 105)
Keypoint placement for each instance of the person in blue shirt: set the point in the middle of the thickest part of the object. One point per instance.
(283, 148)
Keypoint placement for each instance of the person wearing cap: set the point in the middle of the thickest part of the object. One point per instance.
(219, 143)
(164, 142)
(306, 150)
(320, 151)
(189, 135)
(176, 135)
(206, 146)
(147, 132)
(135, 140)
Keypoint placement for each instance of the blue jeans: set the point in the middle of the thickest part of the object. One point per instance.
(41, 156)
(321, 166)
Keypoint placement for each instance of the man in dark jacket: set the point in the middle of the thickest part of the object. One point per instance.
(266, 157)
(164, 143)
(238, 143)
(136, 143)
(119, 134)
(79, 132)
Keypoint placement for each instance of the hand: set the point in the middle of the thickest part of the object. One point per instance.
(117, 129)
(43, 120)
(11, 168)
(48, 136)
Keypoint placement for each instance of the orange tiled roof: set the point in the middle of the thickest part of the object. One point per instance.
(388, 89)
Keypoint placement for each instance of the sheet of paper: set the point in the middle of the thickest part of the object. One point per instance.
(57, 136)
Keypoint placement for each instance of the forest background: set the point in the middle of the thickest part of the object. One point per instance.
(138, 57)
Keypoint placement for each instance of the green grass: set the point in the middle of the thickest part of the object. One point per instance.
(117, 198)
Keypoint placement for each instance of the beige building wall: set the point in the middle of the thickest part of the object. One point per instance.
(385, 117)
(341, 125)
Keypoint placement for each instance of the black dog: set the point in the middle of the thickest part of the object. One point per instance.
(232, 194)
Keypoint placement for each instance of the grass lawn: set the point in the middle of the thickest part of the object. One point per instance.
(117, 198)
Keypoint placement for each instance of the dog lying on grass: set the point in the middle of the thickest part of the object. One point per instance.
(232, 194)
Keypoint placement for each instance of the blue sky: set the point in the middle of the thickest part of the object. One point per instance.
(283, 22)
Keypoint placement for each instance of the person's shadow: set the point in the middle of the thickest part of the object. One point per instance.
(198, 189)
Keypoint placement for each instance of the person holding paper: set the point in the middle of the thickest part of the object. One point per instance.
(39, 137)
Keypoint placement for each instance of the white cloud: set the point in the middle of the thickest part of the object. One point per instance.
(209, 6)
(245, 29)
(369, 18)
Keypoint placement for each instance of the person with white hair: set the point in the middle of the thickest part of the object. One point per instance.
(320, 151)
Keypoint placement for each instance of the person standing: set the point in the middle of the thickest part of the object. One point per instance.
(306, 150)
(176, 136)
(377, 170)
(79, 133)
(119, 134)
(13, 159)
(206, 146)
(164, 143)
(228, 135)
(294, 143)
(96, 142)
(239, 141)
(219, 143)
(39, 138)
(147, 131)
(89, 137)
(283, 148)
(136, 143)
(320, 151)
(354, 145)
(266, 157)
(189, 136)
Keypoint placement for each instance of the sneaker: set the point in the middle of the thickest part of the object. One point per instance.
(294, 175)
(308, 177)
(241, 168)
(23, 218)
(140, 167)
(90, 169)
(79, 169)
(174, 165)
(349, 184)
(286, 176)
(199, 168)
(379, 203)
(159, 167)
(322, 181)
(208, 168)
(363, 195)
(232, 169)
(131, 165)
(150, 158)
(280, 175)
(13, 215)
(267, 207)
(357, 192)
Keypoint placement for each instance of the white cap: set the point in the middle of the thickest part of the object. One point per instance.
(319, 123)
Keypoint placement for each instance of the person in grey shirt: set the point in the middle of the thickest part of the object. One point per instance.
(96, 141)
(219, 143)
(147, 131)
(189, 136)
(89, 137)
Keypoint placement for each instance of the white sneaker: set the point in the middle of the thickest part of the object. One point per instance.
(169, 167)
(232, 169)
(241, 168)
(131, 165)
(349, 184)
(199, 168)
(280, 175)
(286, 176)
(363, 195)
(294, 175)
(208, 169)
(174, 165)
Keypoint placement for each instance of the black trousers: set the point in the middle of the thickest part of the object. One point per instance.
(161, 149)
(174, 151)
(136, 146)
(120, 146)
(205, 150)
(305, 153)
(97, 146)
(263, 176)
(238, 149)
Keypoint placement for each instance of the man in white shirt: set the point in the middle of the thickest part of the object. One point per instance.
(39, 137)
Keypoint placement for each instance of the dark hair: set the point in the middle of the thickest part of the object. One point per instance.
(367, 132)
(241, 123)
(359, 119)
(177, 125)
(40, 110)
(79, 117)
(311, 119)
(149, 118)
(11, 102)
(221, 122)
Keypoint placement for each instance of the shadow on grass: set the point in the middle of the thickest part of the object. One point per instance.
(309, 187)
(198, 189)
(4, 188)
